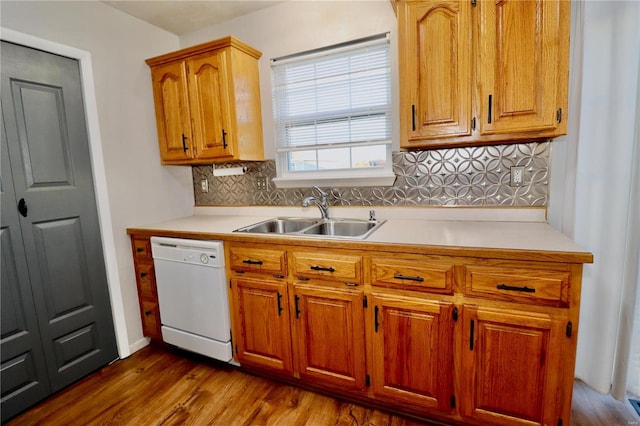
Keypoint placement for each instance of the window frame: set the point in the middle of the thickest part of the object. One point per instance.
(352, 176)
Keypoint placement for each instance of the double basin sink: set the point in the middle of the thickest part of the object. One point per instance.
(337, 228)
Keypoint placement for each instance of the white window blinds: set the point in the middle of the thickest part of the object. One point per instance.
(332, 108)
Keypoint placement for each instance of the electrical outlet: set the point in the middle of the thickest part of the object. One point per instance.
(517, 176)
(204, 185)
(261, 183)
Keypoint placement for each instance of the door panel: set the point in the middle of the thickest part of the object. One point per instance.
(519, 70)
(209, 102)
(44, 141)
(329, 328)
(47, 141)
(412, 351)
(23, 376)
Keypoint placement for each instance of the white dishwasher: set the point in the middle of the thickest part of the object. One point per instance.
(192, 292)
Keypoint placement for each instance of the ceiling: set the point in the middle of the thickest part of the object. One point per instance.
(184, 16)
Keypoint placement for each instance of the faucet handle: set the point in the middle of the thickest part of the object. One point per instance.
(324, 194)
(372, 215)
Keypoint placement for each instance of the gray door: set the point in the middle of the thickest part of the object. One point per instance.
(24, 377)
(43, 115)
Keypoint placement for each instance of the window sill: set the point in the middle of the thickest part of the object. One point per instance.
(334, 182)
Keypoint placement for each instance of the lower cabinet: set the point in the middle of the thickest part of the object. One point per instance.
(329, 335)
(412, 351)
(459, 339)
(511, 364)
(262, 334)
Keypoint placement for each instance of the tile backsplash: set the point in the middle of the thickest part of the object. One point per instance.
(473, 176)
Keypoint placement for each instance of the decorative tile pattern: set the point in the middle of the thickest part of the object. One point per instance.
(474, 176)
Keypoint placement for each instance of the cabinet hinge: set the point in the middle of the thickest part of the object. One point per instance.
(365, 303)
(559, 422)
(454, 315)
(236, 349)
(473, 3)
(473, 123)
(559, 115)
(230, 284)
(453, 401)
(569, 330)
(367, 381)
(231, 337)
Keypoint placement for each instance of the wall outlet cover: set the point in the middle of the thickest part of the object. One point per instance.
(517, 176)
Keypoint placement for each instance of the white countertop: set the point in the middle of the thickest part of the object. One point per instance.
(462, 229)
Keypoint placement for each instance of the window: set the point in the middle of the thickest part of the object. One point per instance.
(332, 114)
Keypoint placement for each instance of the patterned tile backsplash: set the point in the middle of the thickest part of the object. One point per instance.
(474, 176)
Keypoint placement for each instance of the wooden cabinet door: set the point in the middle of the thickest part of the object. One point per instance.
(511, 363)
(523, 64)
(261, 319)
(412, 350)
(435, 87)
(209, 104)
(172, 111)
(329, 330)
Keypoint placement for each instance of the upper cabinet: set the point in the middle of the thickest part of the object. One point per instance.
(480, 72)
(207, 102)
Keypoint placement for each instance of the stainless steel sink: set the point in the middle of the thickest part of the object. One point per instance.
(333, 228)
(279, 225)
(342, 228)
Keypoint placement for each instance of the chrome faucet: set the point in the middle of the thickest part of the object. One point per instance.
(322, 204)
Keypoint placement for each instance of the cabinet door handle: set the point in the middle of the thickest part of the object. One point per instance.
(296, 299)
(413, 118)
(490, 105)
(524, 289)
(322, 268)
(279, 304)
(471, 335)
(184, 143)
(139, 250)
(147, 313)
(143, 274)
(375, 318)
(408, 278)
(252, 262)
(224, 139)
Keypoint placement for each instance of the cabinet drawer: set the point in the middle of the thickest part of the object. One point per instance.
(146, 281)
(334, 266)
(258, 259)
(142, 248)
(412, 273)
(151, 319)
(518, 284)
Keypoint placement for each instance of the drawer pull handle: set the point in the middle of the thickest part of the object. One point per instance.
(278, 276)
(252, 262)
(348, 284)
(524, 289)
(405, 277)
(322, 268)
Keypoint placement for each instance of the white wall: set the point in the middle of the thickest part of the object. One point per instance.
(137, 189)
(297, 26)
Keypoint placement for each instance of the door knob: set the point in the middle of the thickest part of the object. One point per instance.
(22, 207)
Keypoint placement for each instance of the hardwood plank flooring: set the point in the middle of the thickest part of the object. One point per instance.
(156, 386)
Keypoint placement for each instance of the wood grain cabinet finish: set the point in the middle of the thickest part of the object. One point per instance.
(482, 72)
(412, 351)
(469, 339)
(146, 285)
(330, 338)
(262, 336)
(207, 103)
(511, 366)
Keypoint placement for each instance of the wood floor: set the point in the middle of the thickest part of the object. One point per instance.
(159, 387)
